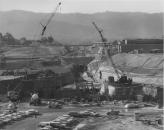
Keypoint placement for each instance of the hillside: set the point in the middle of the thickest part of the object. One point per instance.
(143, 68)
(77, 28)
(41, 51)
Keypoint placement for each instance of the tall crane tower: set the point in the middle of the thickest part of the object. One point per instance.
(49, 20)
(44, 28)
(100, 32)
(14, 94)
(107, 53)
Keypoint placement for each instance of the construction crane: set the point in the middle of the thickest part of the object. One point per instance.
(44, 27)
(100, 32)
(49, 20)
(13, 95)
(107, 53)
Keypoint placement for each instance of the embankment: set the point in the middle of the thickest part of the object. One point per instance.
(143, 68)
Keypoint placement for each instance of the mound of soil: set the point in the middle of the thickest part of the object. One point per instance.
(144, 68)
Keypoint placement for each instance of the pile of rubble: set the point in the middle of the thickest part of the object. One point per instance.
(150, 118)
(84, 114)
(60, 123)
(67, 122)
(7, 118)
(89, 104)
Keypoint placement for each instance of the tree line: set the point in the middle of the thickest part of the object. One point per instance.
(9, 39)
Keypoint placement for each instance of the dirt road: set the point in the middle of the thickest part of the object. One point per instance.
(124, 122)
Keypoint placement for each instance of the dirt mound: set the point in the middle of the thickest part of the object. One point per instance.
(149, 61)
(150, 64)
(143, 68)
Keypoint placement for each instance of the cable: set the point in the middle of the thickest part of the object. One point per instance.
(50, 18)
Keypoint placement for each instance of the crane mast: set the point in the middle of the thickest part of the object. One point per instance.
(100, 32)
(107, 53)
(44, 27)
(49, 20)
(13, 95)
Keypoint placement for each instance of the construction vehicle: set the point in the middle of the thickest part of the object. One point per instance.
(119, 88)
(122, 78)
(35, 100)
(42, 34)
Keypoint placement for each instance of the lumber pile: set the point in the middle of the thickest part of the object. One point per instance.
(67, 122)
(150, 118)
(84, 114)
(7, 118)
(64, 122)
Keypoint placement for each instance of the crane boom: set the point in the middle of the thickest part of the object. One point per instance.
(100, 32)
(50, 18)
(107, 53)
(44, 27)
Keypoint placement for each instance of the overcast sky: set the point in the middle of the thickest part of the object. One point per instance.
(84, 6)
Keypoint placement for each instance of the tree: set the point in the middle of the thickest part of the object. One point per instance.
(77, 70)
(8, 37)
(50, 39)
(22, 40)
(43, 40)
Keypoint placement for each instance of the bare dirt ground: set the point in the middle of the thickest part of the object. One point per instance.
(143, 68)
(124, 122)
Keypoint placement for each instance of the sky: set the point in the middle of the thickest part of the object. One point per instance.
(84, 6)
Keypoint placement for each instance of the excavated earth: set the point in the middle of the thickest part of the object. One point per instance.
(143, 68)
(125, 121)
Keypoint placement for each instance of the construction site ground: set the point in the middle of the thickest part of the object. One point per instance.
(125, 121)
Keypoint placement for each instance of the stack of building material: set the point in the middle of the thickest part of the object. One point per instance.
(150, 118)
(62, 122)
(67, 122)
(84, 114)
(10, 117)
(113, 112)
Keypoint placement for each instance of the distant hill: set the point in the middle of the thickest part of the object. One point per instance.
(77, 28)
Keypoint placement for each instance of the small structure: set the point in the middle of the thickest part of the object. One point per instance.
(156, 51)
(147, 45)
